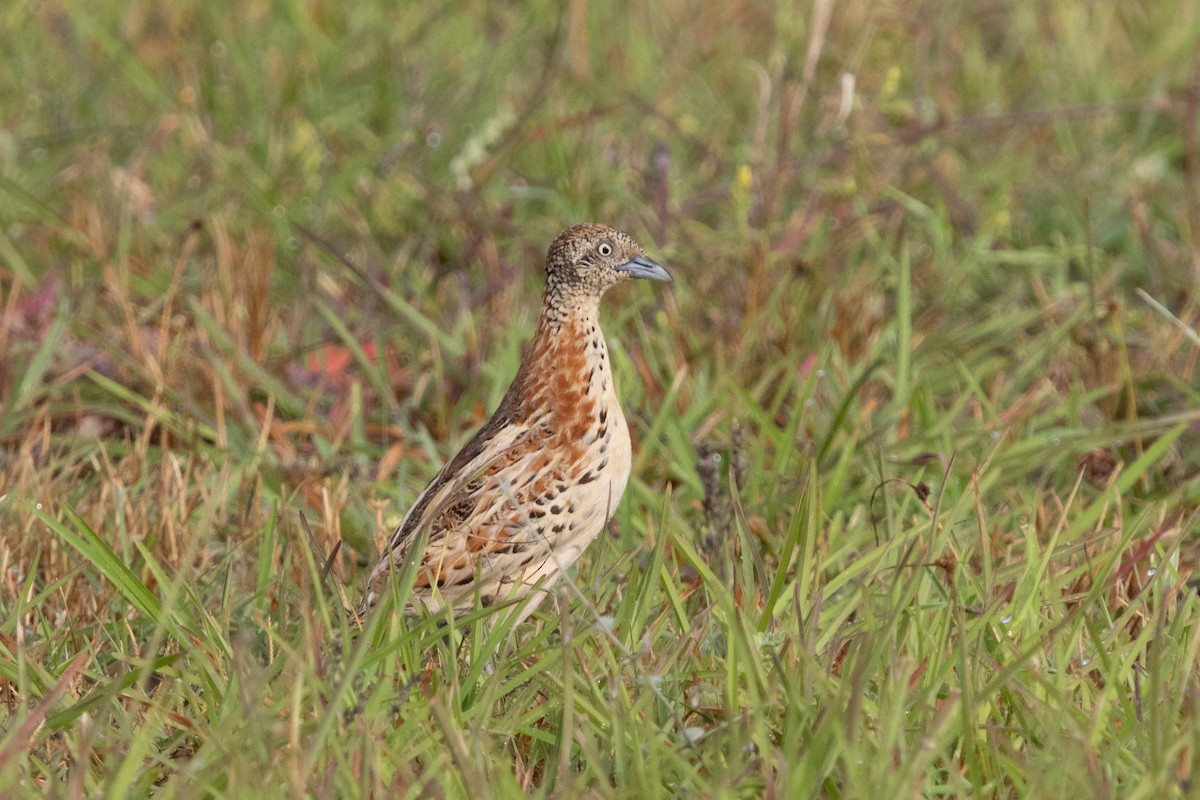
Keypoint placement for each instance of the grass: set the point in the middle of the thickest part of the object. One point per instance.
(916, 428)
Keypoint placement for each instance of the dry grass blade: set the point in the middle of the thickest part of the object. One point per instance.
(20, 739)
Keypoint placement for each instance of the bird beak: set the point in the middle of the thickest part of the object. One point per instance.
(644, 267)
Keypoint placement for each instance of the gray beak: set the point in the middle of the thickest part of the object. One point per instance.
(644, 267)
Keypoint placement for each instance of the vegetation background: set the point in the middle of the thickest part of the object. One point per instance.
(917, 426)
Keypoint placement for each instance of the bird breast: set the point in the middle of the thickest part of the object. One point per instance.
(580, 402)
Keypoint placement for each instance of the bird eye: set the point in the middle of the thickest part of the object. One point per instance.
(605, 249)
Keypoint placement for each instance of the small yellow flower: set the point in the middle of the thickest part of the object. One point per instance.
(744, 177)
(891, 83)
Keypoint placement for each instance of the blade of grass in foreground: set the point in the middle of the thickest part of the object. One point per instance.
(19, 741)
(97, 552)
(106, 692)
(31, 381)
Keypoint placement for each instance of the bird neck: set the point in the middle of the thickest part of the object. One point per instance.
(570, 334)
(569, 318)
(564, 303)
(567, 356)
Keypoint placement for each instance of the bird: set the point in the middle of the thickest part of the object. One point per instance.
(526, 495)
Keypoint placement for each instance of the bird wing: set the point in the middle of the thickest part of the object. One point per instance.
(471, 510)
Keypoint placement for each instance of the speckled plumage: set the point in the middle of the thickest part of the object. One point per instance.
(535, 485)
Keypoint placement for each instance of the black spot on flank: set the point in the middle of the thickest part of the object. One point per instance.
(562, 487)
(570, 508)
(556, 510)
(558, 528)
(586, 478)
(536, 513)
(603, 415)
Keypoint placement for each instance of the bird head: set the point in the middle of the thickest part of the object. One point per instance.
(589, 258)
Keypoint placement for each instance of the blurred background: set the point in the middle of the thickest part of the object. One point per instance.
(299, 245)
